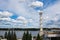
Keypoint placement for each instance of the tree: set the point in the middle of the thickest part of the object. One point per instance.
(24, 36)
(39, 37)
(14, 36)
(5, 36)
(27, 36)
(30, 36)
(9, 36)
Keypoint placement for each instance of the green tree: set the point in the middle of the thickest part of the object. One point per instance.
(39, 37)
(9, 36)
(30, 36)
(27, 36)
(14, 36)
(24, 36)
(5, 36)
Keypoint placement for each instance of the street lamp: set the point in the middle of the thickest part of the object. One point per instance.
(39, 4)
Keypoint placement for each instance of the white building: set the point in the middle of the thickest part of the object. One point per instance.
(3, 39)
(19, 39)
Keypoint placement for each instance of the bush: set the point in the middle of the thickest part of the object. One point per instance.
(27, 36)
(39, 37)
(11, 35)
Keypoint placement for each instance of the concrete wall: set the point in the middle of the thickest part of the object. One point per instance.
(3, 39)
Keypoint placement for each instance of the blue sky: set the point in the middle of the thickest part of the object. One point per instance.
(19, 14)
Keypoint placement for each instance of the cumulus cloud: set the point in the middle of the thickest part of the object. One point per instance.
(7, 19)
(5, 14)
(26, 15)
(8, 22)
(53, 14)
(37, 4)
(21, 18)
(21, 8)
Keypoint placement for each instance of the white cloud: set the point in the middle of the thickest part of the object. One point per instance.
(22, 9)
(54, 9)
(21, 18)
(5, 14)
(7, 19)
(37, 4)
(26, 13)
(30, 20)
(52, 12)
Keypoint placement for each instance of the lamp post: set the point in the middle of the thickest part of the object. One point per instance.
(39, 4)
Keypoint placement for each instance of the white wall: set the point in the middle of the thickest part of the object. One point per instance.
(19, 39)
(3, 39)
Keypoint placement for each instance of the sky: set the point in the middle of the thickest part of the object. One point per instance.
(19, 14)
